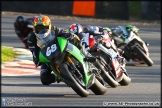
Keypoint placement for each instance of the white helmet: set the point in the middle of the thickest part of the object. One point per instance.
(75, 28)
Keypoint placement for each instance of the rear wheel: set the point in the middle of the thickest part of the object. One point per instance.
(143, 56)
(98, 88)
(73, 81)
(125, 80)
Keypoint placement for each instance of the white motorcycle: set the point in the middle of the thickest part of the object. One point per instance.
(133, 46)
(112, 71)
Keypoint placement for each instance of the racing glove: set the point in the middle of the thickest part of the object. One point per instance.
(36, 60)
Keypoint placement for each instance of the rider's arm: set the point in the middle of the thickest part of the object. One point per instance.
(33, 48)
(18, 30)
(93, 32)
(58, 31)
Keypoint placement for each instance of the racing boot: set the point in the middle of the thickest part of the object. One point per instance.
(88, 56)
(46, 76)
(147, 44)
(47, 79)
(120, 51)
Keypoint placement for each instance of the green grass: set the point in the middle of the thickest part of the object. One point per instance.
(7, 54)
(135, 9)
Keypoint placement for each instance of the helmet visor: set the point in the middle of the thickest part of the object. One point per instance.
(40, 28)
(44, 37)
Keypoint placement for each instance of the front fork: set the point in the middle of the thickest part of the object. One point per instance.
(72, 65)
(85, 76)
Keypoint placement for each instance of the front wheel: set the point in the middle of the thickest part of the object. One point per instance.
(143, 56)
(71, 80)
(106, 74)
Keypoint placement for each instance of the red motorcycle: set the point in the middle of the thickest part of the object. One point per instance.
(114, 73)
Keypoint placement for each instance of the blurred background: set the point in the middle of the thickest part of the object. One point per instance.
(123, 10)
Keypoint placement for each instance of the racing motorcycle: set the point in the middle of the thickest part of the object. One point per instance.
(112, 71)
(134, 47)
(69, 64)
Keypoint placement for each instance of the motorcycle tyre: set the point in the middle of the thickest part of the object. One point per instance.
(98, 88)
(143, 56)
(70, 81)
(125, 80)
(109, 79)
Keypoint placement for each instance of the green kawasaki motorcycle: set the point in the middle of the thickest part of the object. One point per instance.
(69, 64)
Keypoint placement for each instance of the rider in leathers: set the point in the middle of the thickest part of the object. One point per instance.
(97, 31)
(40, 23)
(21, 28)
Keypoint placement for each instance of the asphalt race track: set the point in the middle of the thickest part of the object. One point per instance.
(145, 88)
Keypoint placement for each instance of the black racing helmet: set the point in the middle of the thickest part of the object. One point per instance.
(20, 20)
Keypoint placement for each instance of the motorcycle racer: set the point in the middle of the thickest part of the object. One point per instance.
(125, 30)
(96, 31)
(128, 27)
(21, 28)
(40, 23)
